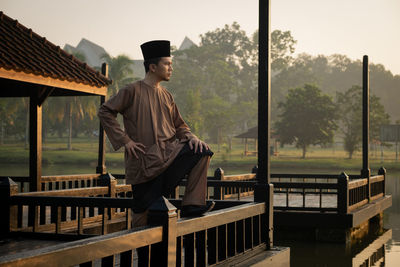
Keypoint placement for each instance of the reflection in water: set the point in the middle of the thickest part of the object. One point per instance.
(309, 254)
(391, 220)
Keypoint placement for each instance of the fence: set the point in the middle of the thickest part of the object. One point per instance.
(69, 210)
(46, 211)
(222, 236)
(351, 192)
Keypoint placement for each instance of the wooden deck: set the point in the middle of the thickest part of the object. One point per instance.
(323, 219)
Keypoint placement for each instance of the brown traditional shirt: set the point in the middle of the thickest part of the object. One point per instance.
(150, 117)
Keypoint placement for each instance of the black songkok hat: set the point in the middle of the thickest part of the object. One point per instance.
(154, 49)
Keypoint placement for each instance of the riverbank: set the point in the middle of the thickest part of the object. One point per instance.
(318, 159)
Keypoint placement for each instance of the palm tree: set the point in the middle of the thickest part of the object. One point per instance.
(72, 108)
(8, 108)
(120, 72)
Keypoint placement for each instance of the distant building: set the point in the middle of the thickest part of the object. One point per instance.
(186, 44)
(93, 54)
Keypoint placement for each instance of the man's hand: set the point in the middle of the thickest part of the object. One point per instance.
(133, 148)
(196, 144)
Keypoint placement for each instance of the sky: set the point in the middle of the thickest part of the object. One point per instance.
(350, 27)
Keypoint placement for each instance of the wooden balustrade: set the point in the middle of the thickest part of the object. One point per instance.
(33, 212)
(58, 182)
(220, 237)
(351, 193)
(350, 190)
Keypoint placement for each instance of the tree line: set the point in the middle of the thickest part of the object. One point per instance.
(215, 86)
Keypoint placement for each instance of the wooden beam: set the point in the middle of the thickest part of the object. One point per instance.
(51, 82)
(44, 93)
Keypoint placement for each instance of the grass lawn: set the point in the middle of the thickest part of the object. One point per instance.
(317, 159)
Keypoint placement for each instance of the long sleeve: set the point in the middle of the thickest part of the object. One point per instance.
(182, 129)
(108, 117)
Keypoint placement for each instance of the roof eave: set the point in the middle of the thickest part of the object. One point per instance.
(51, 82)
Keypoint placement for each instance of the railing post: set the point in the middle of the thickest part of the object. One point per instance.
(343, 193)
(219, 191)
(254, 169)
(8, 188)
(382, 171)
(162, 212)
(111, 182)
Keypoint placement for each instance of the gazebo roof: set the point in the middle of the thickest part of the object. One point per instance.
(251, 133)
(29, 58)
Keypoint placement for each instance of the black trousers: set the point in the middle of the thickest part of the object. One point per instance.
(163, 185)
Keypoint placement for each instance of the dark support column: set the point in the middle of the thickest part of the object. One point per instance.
(8, 188)
(162, 212)
(101, 163)
(366, 172)
(263, 191)
(35, 142)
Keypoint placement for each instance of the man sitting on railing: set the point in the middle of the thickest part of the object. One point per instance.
(159, 146)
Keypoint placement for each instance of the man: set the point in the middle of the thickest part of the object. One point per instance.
(159, 147)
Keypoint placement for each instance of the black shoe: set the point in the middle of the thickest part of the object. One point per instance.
(195, 211)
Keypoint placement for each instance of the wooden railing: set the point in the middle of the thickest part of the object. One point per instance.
(57, 182)
(350, 192)
(221, 236)
(69, 210)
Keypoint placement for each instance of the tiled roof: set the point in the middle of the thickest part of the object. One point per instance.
(22, 50)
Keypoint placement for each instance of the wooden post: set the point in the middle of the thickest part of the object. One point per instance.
(263, 191)
(219, 191)
(366, 172)
(101, 163)
(35, 142)
(111, 182)
(382, 171)
(8, 188)
(162, 212)
(343, 193)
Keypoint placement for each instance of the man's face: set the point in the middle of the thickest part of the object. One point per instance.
(164, 68)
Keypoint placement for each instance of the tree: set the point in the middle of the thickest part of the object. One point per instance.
(282, 48)
(120, 72)
(69, 111)
(350, 109)
(8, 110)
(307, 118)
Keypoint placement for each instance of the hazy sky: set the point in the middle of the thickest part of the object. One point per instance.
(350, 27)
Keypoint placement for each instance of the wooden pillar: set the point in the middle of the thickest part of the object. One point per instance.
(264, 92)
(343, 193)
(111, 182)
(366, 172)
(35, 142)
(101, 162)
(382, 171)
(162, 212)
(8, 188)
(219, 192)
(263, 191)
